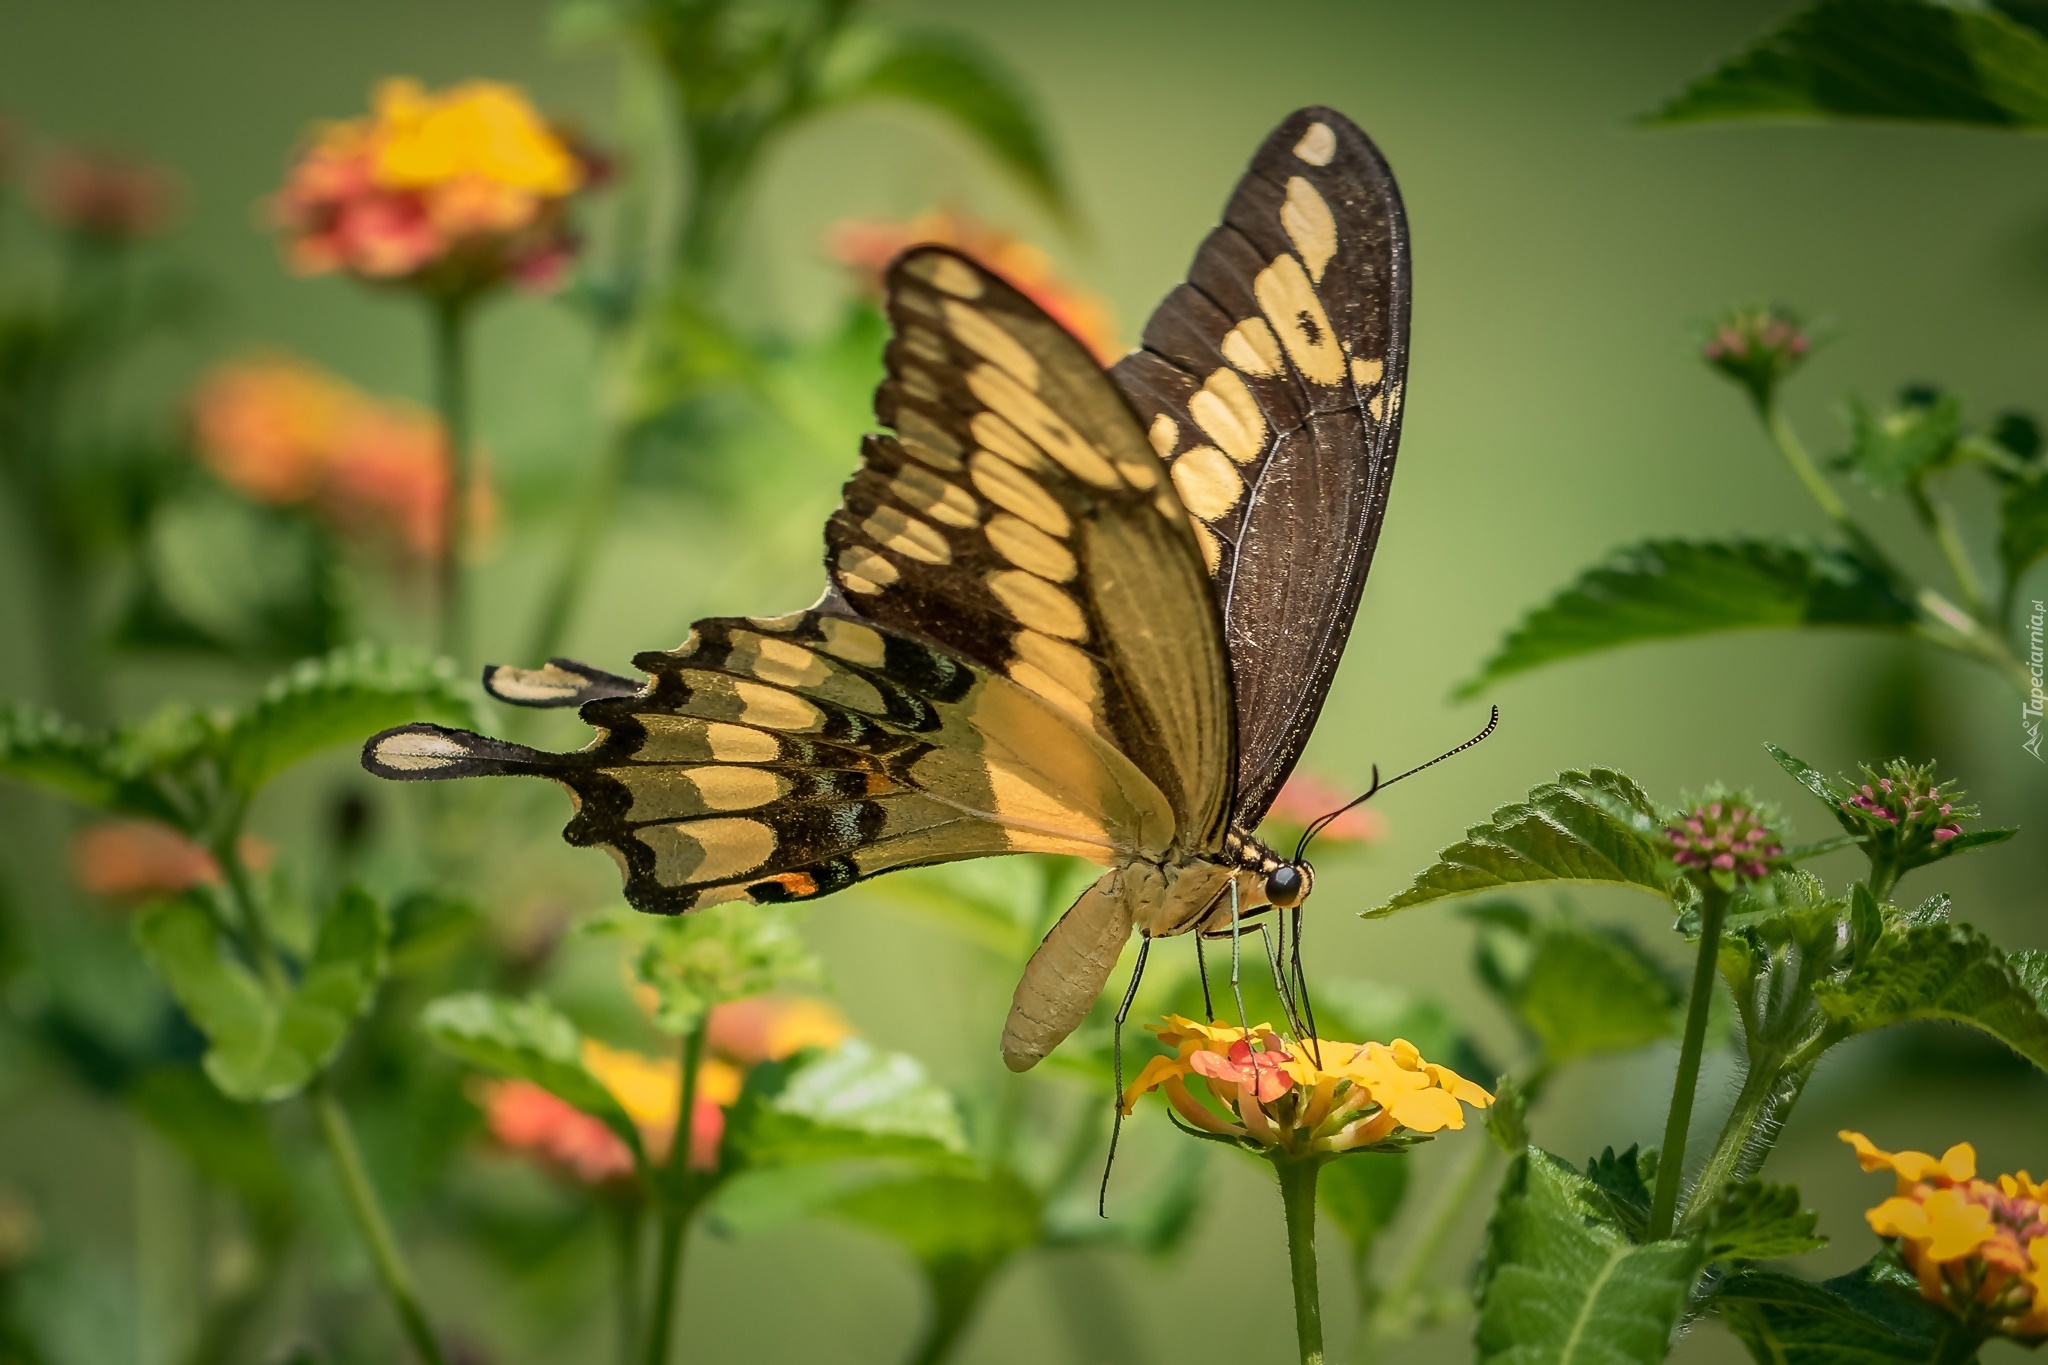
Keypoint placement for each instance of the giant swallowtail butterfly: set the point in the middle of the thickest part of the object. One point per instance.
(1070, 611)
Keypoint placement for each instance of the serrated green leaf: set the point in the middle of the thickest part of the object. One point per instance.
(1944, 971)
(339, 698)
(1623, 1185)
(1507, 1119)
(1893, 450)
(969, 87)
(43, 749)
(1756, 1221)
(266, 1043)
(1863, 1318)
(528, 1040)
(1560, 1284)
(1664, 589)
(2023, 526)
(855, 1103)
(1824, 788)
(1584, 827)
(1880, 59)
(1581, 989)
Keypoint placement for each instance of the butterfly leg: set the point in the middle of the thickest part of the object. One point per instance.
(1116, 1049)
(1237, 933)
(1308, 1010)
(1202, 970)
(1281, 985)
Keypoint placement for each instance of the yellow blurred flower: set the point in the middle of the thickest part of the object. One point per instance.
(1277, 1094)
(453, 191)
(1978, 1249)
(868, 247)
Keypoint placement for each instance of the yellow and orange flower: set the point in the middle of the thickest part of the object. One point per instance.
(286, 432)
(769, 1028)
(1275, 1093)
(453, 191)
(868, 247)
(525, 1118)
(1979, 1249)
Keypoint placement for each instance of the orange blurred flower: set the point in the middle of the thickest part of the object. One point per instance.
(285, 432)
(1276, 1094)
(107, 198)
(453, 191)
(134, 860)
(525, 1118)
(1305, 798)
(768, 1028)
(868, 247)
(1979, 1249)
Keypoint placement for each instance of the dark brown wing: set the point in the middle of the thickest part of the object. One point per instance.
(1271, 382)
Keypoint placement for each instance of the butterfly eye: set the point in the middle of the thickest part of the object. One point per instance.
(1285, 886)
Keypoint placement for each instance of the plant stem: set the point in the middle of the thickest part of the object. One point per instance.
(1751, 1128)
(1396, 1307)
(678, 1201)
(1789, 445)
(451, 400)
(954, 1286)
(1298, 1198)
(392, 1271)
(255, 930)
(626, 1219)
(1671, 1160)
(1940, 521)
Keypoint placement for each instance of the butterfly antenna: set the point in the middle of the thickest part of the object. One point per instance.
(1323, 822)
(1116, 1129)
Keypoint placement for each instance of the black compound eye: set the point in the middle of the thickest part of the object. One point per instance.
(1285, 886)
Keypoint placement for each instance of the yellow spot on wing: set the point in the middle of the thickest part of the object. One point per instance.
(852, 641)
(926, 440)
(1207, 482)
(1165, 433)
(949, 273)
(906, 535)
(1252, 347)
(1027, 412)
(791, 665)
(1290, 304)
(937, 498)
(1310, 226)
(1228, 414)
(1007, 486)
(773, 709)
(1366, 373)
(985, 336)
(925, 344)
(1317, 145)
(707, 850)
(737, 788)
(1028, 547)
(1212, 548)
(1038, 604)
(999, 436)
(1061, 662)
(418, 752)
(858, 561)
(738, 744)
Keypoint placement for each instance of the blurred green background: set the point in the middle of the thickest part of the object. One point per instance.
(1562, 264)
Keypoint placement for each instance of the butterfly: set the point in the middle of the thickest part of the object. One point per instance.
(1070, 610)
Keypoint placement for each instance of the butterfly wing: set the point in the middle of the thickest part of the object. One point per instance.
(1271, 383)
(1020, 650)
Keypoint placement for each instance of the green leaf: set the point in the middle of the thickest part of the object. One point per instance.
(43, 749)
(1824, 788)
(527, 1040)
(1866, 1317)
(1507, 1121)
(1584, 827)
(1664, 589)
(340, 698)
(1623, 1184)
(853, 1103)
(226, 576)
(1950, 972)
(266, 1042)
(1579, 989)
(2023, 526)
(970, 88)
(1561, 1284)
(1880, 59)
(980, 1216)
(1362, 1193)
(1755, 1221)
(1893, 450)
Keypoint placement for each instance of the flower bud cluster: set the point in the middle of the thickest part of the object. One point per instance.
(1729, 835)
(1757, 348)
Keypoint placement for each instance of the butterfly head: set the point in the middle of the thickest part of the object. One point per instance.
(1288, 885)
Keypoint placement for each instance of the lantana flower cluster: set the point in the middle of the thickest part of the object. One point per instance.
(284, 432)
(868, 247)
(1979, 1249)
(576, 1146)
(1905, 811)
(1729, 837)
(1274, 1093)
(1757, 348)
(451, 191)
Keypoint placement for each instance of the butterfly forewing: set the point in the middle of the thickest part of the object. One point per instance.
(1271, 382)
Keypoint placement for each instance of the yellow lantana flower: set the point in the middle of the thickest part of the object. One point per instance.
(1274, 1093)
(484, 129)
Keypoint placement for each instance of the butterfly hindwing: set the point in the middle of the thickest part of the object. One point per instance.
(1271, 382)
(788, 758)
(1019, 517)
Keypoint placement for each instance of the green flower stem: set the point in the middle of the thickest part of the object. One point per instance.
(626, 1219)
(1671, 1159)
(1751, 1130)
(1789, 445)
(1298, 1196)
(1396, 1311)
(368, 1212)
(253, 928)
(451, 400)
(1970, 637)
(679, 1201)
(1940, 520)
